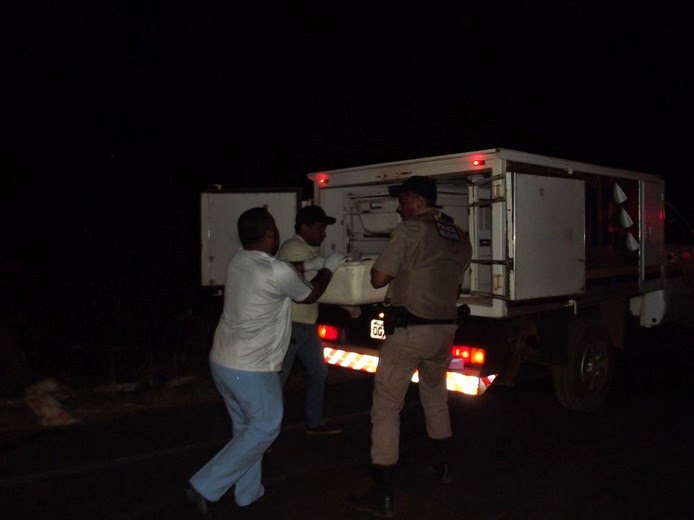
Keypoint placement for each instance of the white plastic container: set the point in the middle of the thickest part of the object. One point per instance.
(351, 285)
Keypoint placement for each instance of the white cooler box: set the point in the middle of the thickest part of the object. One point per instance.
(351, 285)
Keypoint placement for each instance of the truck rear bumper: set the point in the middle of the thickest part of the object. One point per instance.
(466, 380)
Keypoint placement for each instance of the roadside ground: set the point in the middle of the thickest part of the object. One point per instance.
(56, 402)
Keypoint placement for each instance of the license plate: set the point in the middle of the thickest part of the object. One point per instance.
(377, 331)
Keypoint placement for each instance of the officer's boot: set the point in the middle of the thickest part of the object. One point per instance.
(440, 468)
(378, 499)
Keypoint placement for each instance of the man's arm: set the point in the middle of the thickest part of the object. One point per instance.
(325, 274)
(309, 265)
(379, 279)
(320, 283)
(390, 259)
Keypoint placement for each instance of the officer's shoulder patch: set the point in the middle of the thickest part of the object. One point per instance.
(448, 231)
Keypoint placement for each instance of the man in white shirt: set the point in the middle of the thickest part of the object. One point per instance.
(305, 344)
(249, 345)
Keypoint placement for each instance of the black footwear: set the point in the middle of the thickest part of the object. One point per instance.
(204, 506)
(441, 453)
(377, 501)
(442, 473)
(323, 429)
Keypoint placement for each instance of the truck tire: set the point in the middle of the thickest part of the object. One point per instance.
(583, 383)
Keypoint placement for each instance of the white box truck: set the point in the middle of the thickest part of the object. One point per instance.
(563, 253)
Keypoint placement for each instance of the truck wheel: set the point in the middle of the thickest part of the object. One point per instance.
(583, 383)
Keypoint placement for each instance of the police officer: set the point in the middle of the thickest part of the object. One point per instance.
(424, 263)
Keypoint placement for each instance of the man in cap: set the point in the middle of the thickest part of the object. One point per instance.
(423, 262)
(311, 222)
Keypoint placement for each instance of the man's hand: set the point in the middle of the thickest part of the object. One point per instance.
(334, 260)
(322, 279)
(314, 264)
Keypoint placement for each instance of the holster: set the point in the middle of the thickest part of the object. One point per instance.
(395, 317)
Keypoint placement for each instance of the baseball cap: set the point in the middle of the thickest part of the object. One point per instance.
(311, 214)
(422, 186)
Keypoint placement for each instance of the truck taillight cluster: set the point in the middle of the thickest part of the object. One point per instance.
(327, 332)
(469, 355)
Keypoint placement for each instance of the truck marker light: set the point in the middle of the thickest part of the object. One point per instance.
(477, 162)
(322, 179)
(327, 332)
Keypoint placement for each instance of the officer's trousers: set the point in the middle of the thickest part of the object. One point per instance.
(426, 348)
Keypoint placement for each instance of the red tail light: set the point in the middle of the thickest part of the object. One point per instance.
(327, 332)
(469, 355)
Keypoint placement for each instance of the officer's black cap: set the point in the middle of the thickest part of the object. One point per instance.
(422, 186)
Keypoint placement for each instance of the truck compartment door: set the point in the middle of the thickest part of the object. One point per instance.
(546, 236)
(487, 228)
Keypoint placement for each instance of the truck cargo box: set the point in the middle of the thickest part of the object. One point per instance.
(544, 231)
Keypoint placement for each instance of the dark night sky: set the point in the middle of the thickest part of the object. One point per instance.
(118, 113)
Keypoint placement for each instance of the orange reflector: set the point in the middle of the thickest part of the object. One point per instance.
(477, 357)
(455, 381)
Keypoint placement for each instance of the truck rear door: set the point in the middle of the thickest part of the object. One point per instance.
(219, 214)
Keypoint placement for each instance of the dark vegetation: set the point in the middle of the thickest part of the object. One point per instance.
(93, 315)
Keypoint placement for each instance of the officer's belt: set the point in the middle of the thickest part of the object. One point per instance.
(416, 320)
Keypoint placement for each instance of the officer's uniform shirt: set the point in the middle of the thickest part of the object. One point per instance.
(427, 255)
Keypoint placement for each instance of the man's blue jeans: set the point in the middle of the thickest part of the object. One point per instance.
(254, 403)
(306, 345)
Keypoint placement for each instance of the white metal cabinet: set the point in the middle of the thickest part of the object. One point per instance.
(547, 244)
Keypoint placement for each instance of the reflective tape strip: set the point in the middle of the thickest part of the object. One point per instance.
(353, 360)
(486, 382)
(455, 381)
